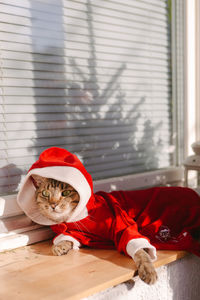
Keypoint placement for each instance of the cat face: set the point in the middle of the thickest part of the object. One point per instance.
(56, 200)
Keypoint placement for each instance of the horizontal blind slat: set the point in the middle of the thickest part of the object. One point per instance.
(134, 65)
(56, 108)
(83, 43)
(128, 74)
(25, 34)
(45, 83)
(84, 51)
(83, 116)
(60, 125)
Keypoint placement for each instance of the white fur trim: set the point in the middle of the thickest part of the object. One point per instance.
(63, 237)
(136, 244)
(26, 195)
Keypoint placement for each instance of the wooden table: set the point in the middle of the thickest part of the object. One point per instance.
(32, 272)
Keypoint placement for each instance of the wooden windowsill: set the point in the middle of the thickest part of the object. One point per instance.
(32, 272)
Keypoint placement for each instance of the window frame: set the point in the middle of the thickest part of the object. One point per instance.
(197, 70)
(192, 74)
(172, 175)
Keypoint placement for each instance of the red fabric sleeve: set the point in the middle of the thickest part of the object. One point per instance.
(124, 228)
(84, 237)
(63, 229)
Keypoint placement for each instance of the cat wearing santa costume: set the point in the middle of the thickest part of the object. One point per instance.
(150, 219)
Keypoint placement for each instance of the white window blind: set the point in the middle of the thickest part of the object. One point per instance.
(93, 77)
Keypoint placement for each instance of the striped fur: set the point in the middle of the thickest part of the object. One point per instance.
(56, 200)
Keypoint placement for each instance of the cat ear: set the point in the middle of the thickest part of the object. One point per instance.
(37, 180)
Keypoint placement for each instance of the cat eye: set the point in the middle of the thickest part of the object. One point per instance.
(45, 193)
(66, 193)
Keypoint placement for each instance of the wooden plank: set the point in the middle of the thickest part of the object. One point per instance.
(32, 272)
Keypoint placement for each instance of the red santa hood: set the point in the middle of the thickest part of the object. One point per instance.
(59, 164)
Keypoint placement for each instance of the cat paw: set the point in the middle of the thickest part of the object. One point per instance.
(147, 273)
(62, 248)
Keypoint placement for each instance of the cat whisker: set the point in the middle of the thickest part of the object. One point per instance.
(83, 226)
(78, 227)
(92, 218)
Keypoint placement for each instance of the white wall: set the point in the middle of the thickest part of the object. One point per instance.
(179, 280)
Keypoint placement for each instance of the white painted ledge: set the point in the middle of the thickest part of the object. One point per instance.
(172, 175)
(13, 240)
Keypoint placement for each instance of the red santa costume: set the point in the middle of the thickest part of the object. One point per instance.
(154, 218)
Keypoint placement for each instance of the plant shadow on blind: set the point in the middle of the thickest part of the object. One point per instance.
(94, 91)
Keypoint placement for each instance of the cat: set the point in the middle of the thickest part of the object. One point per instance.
(57, 200)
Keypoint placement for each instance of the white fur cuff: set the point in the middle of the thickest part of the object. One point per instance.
(136, 244)
(63, 237)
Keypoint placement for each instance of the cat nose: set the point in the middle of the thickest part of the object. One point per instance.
(53, 205)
